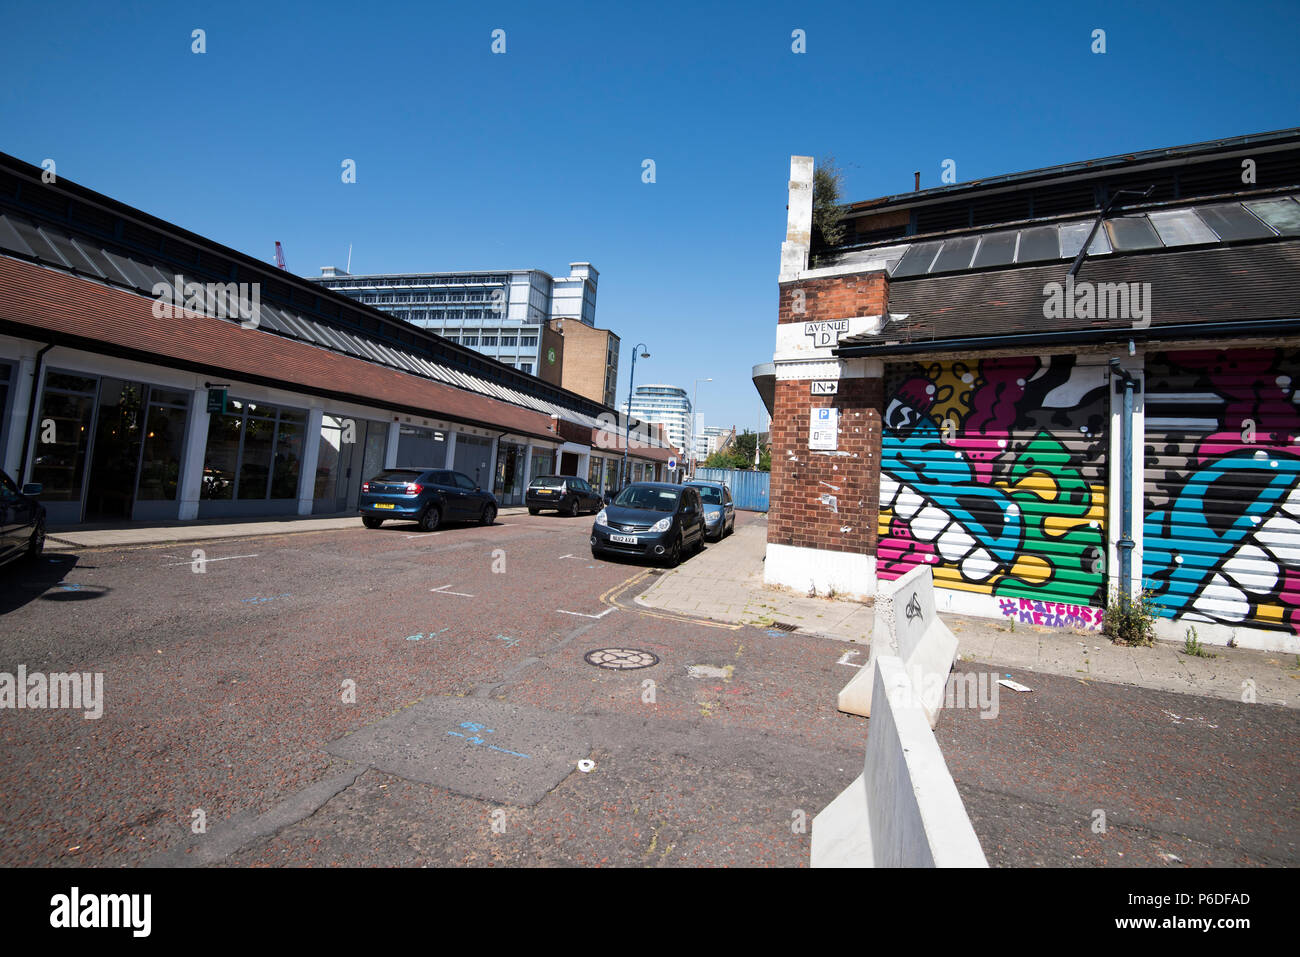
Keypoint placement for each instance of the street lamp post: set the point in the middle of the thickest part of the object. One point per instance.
(627, 422)
(695, 397)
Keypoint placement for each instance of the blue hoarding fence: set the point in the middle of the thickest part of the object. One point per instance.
(749, 490)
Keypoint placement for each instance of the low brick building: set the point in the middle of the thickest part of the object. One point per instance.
(949, 386)
(152, 374)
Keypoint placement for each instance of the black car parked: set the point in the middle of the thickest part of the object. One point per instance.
(650, 520)
(22, 521)
(427, 496)
(567, 494)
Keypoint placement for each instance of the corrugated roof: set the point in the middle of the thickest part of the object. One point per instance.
(1156, 229)
(1202, 285)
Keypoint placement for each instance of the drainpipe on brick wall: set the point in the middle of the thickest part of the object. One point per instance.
(31, 412)
(1125, 544)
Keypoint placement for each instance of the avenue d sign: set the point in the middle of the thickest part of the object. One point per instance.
(826, 333)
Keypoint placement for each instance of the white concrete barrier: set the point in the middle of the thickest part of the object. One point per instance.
(907, 627)
(903, 810)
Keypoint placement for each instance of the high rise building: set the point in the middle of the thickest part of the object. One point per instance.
(667, 404)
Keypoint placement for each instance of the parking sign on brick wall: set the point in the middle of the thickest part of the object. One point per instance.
(823, 429)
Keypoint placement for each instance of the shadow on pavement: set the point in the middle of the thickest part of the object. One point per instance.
(25, 581)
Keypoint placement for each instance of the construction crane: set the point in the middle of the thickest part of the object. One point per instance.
(279, 256)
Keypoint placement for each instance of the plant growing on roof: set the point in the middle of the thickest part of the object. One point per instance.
(828, 213)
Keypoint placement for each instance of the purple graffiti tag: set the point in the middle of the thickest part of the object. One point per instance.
(1000, 387)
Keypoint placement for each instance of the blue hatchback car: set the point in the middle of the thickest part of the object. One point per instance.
(427, 496)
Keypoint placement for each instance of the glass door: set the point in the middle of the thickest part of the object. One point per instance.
(115, 450)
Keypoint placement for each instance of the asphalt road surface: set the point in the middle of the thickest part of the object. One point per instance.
(388, 697)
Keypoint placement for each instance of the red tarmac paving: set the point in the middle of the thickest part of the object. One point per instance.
(224, 688)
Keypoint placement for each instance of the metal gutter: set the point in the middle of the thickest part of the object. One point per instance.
(1184, 330)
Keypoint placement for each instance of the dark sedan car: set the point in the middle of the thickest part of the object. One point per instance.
(22, 521)
(427, 496)
(650, 520)
(567, 494)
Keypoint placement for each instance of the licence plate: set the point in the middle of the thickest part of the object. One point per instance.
(623, 539)
(545, 491)
(384, 505)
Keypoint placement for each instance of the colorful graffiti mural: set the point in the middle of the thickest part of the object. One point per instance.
(1221, 536)
(993, 473)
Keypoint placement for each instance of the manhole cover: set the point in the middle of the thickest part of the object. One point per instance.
(621, 659)
(784, 626)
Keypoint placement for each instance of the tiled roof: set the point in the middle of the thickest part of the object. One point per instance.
(89, 315)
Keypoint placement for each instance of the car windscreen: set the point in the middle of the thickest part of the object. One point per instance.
(654, 499)
(711, 495)
(547, 481)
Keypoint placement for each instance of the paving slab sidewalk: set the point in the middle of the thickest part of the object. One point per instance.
(725, 583)
(71, 537)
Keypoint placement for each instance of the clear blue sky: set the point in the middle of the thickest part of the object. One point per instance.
(467, 159)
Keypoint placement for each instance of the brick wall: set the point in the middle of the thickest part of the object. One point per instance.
(838, 297)
(550, 371)
(797, 515)
(586, 358)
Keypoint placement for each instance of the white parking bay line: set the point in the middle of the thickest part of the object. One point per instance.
(209, 561)
(581, 615)
(442, 590)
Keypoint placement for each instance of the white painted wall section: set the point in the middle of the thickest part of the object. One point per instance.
(848, 573)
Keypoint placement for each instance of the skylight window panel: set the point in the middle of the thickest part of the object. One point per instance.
(1073, 236)
(956, 254)
(1282, 214)
(69, 251)
(1233, 222)
(996, 249)
(11, 240)
(269, 318)
(40, 247)
(1181, 227)
(1038, 244)
(916, 261)
(1130, 233)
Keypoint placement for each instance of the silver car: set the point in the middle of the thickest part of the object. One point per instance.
(719, 509)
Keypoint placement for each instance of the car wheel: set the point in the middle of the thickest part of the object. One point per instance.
(371, 521)
(489, 514)
(37, 543)
(699, 543)
(675, 554)
(533, 511)
(571, 508)
(430, 518)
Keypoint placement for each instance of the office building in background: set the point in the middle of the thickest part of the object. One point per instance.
(667, 404)
(505, 314)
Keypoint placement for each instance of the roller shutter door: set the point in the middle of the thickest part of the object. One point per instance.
(994, 474)
(1221, 531)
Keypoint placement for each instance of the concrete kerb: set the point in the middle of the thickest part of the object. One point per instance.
(71, 538)
(907, 627)
(903, 810)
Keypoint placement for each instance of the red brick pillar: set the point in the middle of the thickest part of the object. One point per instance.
(824, 505)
